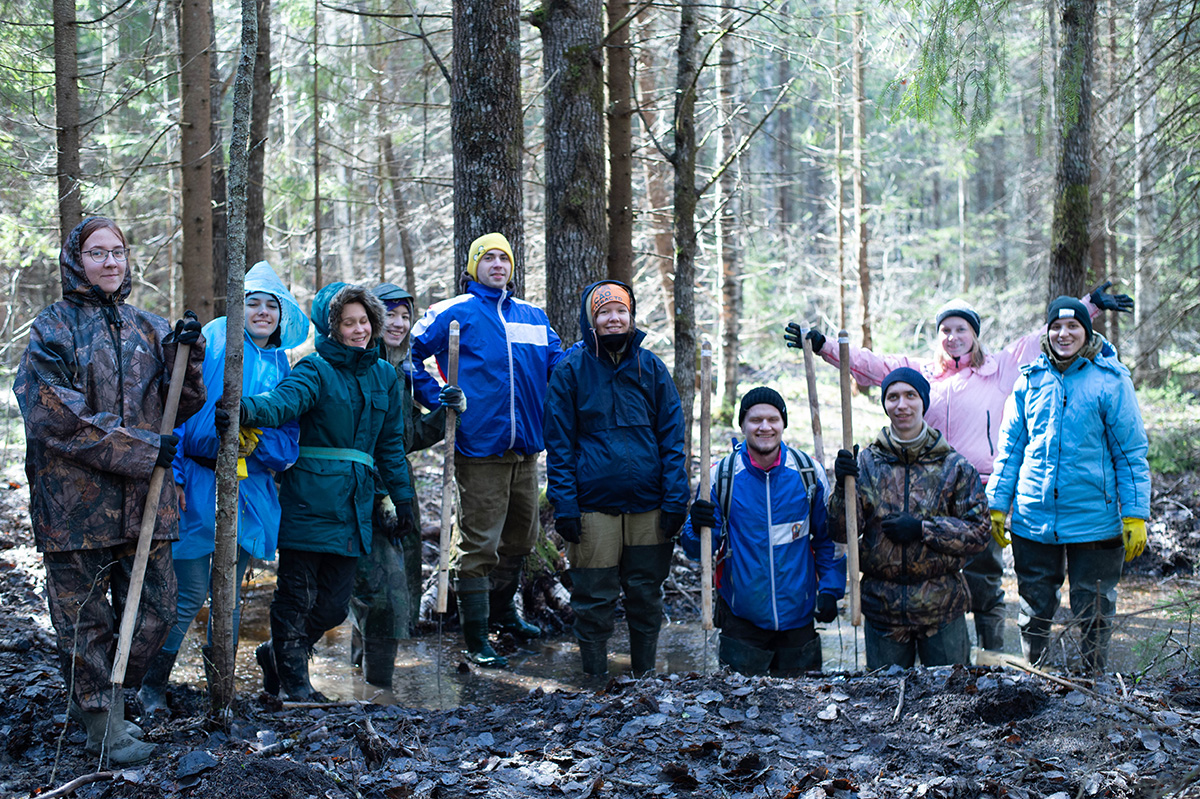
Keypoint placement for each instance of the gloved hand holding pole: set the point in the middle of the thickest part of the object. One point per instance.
(448, 487)
(851, 488)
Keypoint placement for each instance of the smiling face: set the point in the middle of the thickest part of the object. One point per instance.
(494, 269)
(262, 316)
(612, 318)
(763, 429)
(109, 273)
(396, 324)
(956, 336)
(904, 408)
(1067, 337)
(354, 326)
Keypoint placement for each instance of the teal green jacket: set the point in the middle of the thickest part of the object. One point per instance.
(347, 399)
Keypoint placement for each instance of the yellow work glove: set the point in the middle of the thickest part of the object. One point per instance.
(998, 528)
(248, 440)
(1133, 531)
(242, 473)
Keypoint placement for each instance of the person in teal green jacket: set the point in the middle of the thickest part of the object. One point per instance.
(351, 412)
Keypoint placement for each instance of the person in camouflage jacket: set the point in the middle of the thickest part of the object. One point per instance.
(92, 387)
(921, 515)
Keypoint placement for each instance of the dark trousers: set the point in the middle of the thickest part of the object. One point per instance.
(312, 596)
(751, 650)
(79, 584)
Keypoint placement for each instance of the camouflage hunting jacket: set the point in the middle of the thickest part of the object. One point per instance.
(92, 387)
(912, 590)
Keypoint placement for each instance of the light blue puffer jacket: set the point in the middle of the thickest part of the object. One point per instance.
(1072, 457)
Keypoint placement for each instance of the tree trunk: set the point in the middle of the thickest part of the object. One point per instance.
(219, 205)
(224, 574)
(260, 115)
(576, 238)
(964, 270)
(1072, 177)
(66, 118)
(860, 193)
(1145, 261)
(684, 161)
(1000, 201)
(839, 180)
(785, 161)
(195, 144)
(660, 200)
(318, 277)
(487, 129)
(727, 223)
(620, 144)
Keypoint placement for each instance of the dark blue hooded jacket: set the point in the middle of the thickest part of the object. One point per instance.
(613, 431)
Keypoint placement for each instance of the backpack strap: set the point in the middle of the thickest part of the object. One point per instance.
(808, 472)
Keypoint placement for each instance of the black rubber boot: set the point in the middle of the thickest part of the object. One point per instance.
(291, 661)
(643, 570)
(153, 693)
(379, 660)
(264, 653)
(744, 658)
(989, 628)
(504, 580)
(594, 657)
(473, 616)
(643, 650)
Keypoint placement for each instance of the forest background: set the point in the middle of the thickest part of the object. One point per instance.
(841, 163)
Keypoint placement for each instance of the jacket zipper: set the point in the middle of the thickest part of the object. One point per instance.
(771, 555)
(1062, 381)
(904, 550)
(512, 380)
(991, 447)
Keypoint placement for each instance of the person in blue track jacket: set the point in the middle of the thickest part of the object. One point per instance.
(1072, 468)
(616, 475)
(274, 324)
(777, 568)
(506, 354)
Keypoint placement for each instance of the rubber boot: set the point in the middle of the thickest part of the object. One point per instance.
(379, 660)
(473, 616)
(106, 736)
(264, 653)
(76, 714)
(796, 661)
(743, 657)
(504, 580)
(989, 628)
(356, 647)
(643, 649)
(291, 661)
(153, 693)
(594, 657)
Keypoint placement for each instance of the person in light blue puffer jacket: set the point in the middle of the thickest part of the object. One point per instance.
(1072, 467)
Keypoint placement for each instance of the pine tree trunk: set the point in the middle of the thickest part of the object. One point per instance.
(576, 234)
(260, 114)
(219, 191)
(860, 192)
(684, 161)
(1145, 261)
(195, 137)
(727, 224)
(661, 214)
(486, 129)
(839, 180)
(620, 144)
(66, 119)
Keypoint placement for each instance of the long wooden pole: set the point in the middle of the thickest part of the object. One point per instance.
(448, 488)
(851, 488)
(133, 598)
(706, 553)
(814, 406)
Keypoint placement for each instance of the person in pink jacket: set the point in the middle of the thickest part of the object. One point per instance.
(968, 389)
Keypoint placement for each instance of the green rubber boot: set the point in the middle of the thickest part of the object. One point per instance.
(505, 580)
(106, 736)
(473, 603)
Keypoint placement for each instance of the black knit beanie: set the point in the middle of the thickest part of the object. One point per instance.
(1065, 307)
(759, 396)
(913, 378)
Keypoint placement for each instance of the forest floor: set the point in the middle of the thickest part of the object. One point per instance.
(941, 732)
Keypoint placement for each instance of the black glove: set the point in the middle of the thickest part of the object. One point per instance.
(569, 529)
(795, 333)
(903, 528)
(669, 523)
(187, 329)
(166, 450)
(220, 419)
(845, 465)
(405, 524)
(826, 608)
(1110, 302)
(454, 398)
(704, 514)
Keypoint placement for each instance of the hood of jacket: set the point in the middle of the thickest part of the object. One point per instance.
(293, 323)
(76, 286)
(588, 332)
(327, 306)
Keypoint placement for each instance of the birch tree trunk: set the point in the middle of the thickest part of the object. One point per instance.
(66, 118)
(195, 144)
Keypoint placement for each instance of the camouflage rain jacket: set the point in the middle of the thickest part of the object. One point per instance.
(912, 590)
(92, 387)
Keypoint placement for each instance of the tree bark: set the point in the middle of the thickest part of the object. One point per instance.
(839, 180)
(785, 160)
(684, 161)
(860, 192)
(195, 143)
(576, 235)
(620, 144)
(224, 573)
(1072, 177)
(260, 115)
(66, 118)
(486, 129)
(661, 215)
(1145, 267)
(728, 201)
(318, 276)
(219, 191)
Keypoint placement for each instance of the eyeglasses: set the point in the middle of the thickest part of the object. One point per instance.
(99, 256)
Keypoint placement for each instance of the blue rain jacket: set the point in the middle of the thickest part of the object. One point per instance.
(506, 353)
(779, 554)
(613, 431)
(1072, 457)
(262, 370)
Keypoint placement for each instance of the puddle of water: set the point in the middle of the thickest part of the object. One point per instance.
(553, 663)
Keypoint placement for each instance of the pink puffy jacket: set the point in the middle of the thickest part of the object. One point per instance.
(965, 403)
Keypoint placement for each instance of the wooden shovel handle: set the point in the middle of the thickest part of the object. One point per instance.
(851, 488)
(448, 487)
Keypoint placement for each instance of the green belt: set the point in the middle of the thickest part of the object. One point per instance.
(338, 454)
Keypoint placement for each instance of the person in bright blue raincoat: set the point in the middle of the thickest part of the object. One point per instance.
(274, 323)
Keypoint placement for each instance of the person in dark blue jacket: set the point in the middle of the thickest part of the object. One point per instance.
(506, 353)
(616, 475)
(778, 569)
